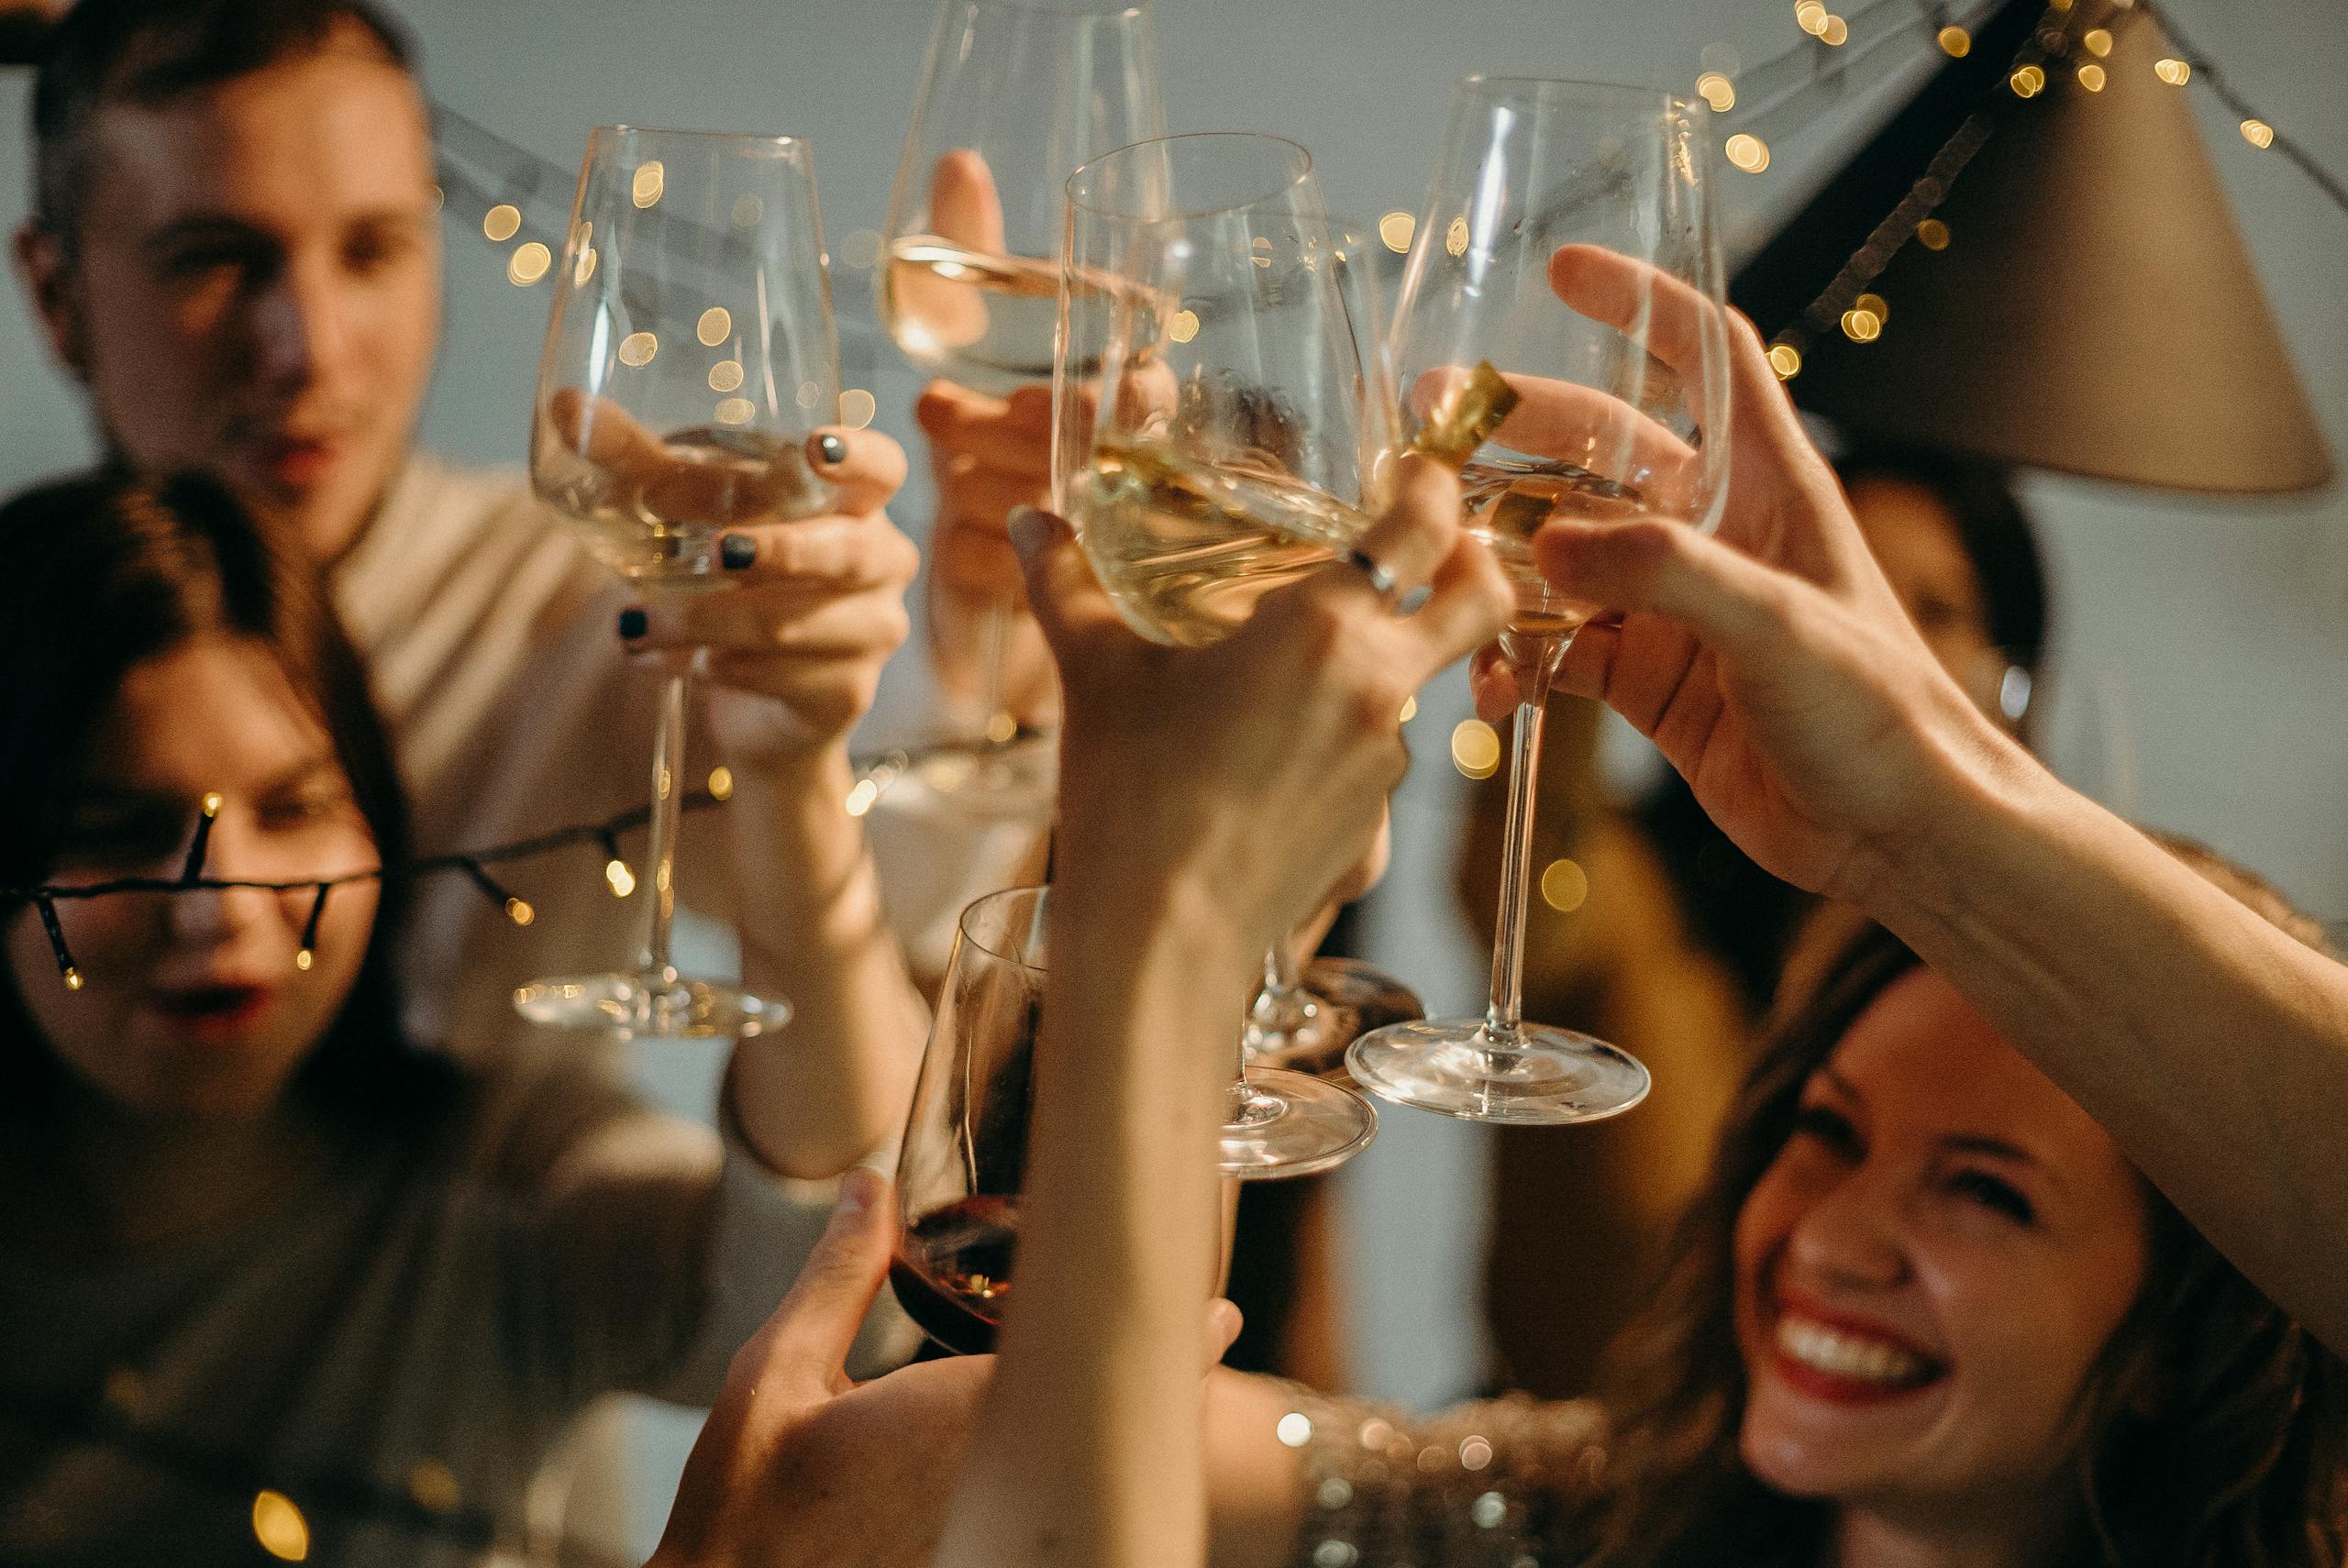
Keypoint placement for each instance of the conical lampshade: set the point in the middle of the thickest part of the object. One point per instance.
(2092, 308)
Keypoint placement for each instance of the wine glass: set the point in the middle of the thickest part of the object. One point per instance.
(690, 355)
(1222, 423)
(1619, 419)
(1015, 94)
(965, 1153)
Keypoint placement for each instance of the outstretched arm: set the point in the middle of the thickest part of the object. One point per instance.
(1775, 670)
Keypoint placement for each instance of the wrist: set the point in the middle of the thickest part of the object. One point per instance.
(1985, 795)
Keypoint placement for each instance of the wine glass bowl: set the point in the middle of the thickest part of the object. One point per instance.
(690, 355)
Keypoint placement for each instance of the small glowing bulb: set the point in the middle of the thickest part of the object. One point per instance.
(725, 375)
(1395, 230)
(1874, 305)
(1565, 886)
(650, 182)
(1786, 360)
(1475, 748)
(1002, 728)
(858, 407)
(638, 348)
(622, 880)
(73, 978)
(1747, 152)
(1183, 326)
(1717, 90)
(520, 911)
(528, 264)
(721, 783)
(1956, 42)
(2174, 72)
(584, 268)
(2027, 82)
(2258, 133)
(861, 800)
(1932, 234)
(716, 325)
(1810, 17)
(2098, 41)
(1455, 238)
(737, 410)
(280, 1527)
(1862, 326)
(2091, 77)
(1410, 709)
(501, 222)
(1835, 33)
(212, 803)
(304, 959)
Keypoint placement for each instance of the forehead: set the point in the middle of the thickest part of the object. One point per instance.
(1926, 1064)
(319, 138)
(1912, 531)
(216, 713)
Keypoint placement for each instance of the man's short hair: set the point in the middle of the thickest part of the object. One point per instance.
(149, 51)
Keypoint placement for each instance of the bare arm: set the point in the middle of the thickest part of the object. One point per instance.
(1775, 670)
(796, 644)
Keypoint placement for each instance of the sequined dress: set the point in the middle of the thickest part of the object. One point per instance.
(1478, 1486)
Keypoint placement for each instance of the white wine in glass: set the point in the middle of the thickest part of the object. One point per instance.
(690, 355)
(1568, 240)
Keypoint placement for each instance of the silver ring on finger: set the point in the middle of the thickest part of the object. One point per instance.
(1381, 576)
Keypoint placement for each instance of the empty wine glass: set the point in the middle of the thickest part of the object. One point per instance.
(1602, 194)
(690, 355)
(1015, 94)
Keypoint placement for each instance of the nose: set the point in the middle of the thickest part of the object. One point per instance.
(217, 916)
(1851, 1234)
(301, 324)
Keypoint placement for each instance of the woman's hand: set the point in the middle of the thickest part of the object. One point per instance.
(1772, 665)
(815, 606)
(1253, 775)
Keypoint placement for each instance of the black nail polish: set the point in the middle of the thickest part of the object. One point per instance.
(632, 622)
(735, 551)
(835, 451)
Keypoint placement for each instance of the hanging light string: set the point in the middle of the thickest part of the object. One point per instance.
(474, 864)
(1775, 99)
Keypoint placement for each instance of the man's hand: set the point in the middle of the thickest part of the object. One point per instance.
(989, 456)
(1772, 665)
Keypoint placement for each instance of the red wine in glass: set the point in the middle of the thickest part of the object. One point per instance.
(952, 1271)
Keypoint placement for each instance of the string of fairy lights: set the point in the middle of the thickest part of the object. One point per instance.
(2055, 43)
(474, 865)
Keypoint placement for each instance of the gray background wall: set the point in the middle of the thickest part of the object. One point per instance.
(2203, 647)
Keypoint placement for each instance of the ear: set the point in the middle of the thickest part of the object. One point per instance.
(43, 261)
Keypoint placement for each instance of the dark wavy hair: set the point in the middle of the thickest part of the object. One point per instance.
(107, 571)
(2214, 1429)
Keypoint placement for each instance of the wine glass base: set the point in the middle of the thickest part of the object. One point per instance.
(1537, 1075)
(1351, 999)
(1303, 1126)
(646, 1007)
(1014, 780)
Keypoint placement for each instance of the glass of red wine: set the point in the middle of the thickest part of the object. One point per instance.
(960, 1170)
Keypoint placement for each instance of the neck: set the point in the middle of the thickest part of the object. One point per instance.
(108, 1180)
(2013, 1537)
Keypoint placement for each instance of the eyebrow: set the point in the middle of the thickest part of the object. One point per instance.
(112, 793)
(228, 226)
(1957, 1143)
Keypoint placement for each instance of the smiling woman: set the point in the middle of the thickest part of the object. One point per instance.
(1923, 1310)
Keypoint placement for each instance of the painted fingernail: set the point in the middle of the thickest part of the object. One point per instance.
(859, 1190)
(1027, 526)
(835, 451)
(632, 624)
(735, 551)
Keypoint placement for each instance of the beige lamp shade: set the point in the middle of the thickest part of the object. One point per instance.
(2091, 308)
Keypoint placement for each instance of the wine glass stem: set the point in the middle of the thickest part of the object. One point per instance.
(994, 639)
(1534, 660)
(661, 845)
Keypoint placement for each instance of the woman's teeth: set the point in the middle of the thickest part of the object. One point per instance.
(1844, 1354)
